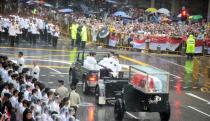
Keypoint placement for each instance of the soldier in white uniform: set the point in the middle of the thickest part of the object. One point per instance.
(35, 71)
(90, 62)
(20, 62)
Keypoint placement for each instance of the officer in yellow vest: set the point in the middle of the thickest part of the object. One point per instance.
(73, 29)
(84, 35)
(190, 50)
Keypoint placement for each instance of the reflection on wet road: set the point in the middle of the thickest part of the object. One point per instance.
(187, 103)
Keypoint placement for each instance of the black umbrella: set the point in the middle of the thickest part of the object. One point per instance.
(104, 32)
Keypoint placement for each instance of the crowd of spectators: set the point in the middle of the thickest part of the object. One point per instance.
(25, 98)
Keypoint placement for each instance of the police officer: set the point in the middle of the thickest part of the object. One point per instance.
(84, 36)
(190, 50)
(73, 28)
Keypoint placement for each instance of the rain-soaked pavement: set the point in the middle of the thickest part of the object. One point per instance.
(188, 103)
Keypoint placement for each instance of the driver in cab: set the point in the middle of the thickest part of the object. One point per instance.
(90, 62)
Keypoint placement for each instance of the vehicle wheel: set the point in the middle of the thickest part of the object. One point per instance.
(165, 116)
(97, 93)
(85, 88)
(119, 110)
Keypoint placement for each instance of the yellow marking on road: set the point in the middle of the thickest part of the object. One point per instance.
(49, 55)
(57, 67)
(133, 60)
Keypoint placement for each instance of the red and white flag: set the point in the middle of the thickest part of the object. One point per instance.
(139, 44)
(199, 46)
(208, 44)
(156, 42)
(113, 41)
(173, 43)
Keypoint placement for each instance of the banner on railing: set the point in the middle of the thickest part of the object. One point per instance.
(164, 43)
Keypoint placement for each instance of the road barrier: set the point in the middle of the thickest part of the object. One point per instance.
(205, 71)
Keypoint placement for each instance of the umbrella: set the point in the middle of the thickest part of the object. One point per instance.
(196, 17)
(38, 2)
(151, 10)
(164, 11)
(111, 1)
(121, 14)
(104, 32)
(66, 10)
(48, 5)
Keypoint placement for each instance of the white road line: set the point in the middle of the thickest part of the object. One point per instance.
(52, 75)
(199, 111)
(195, 96)
(43, 75)
(60, 73)
(50, 82)
(54, 70)
(131, 115)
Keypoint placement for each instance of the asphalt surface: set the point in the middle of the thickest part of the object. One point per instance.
(187, 103)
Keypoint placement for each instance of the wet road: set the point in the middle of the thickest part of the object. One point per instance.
(187, 103)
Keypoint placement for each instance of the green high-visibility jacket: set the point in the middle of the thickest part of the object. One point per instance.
(74, 31)
(190, 44)
(84, 34)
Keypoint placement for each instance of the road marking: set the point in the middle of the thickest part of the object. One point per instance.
(52, 75)
(55, 61)
(144, 64)
(49, 50)
(43, 75)
(199, 111)
(50, 82)
(54, 70)
(57, 67)
(133, 60)
(60, 73)
(131, 115)
(195, 96)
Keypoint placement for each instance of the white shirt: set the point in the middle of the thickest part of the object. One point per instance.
(114, 66)
(54, 106)
(90, 63)
(14, 101)
(4, 91)
(4, 75)
(12, 30)
(21, 61)
(19, 114)
(27, 95)
(34, 29)
(35, 72)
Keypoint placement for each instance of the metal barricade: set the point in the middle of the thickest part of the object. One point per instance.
(205, 68)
